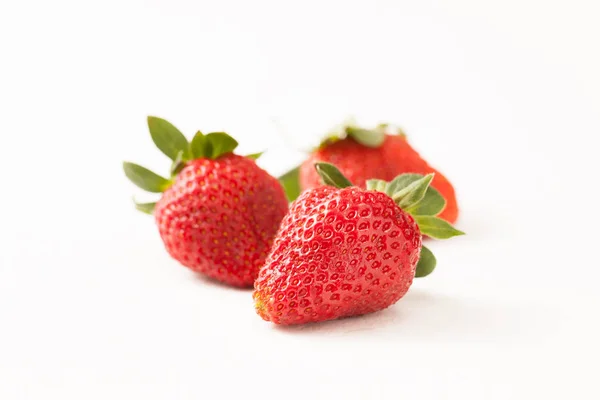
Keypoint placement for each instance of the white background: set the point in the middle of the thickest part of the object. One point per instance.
(503, 96)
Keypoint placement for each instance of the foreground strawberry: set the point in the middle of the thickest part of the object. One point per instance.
(219, 212)
(363, 154)
(343, 251)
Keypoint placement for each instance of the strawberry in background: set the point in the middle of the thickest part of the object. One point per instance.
(218, 211)
(363, 154)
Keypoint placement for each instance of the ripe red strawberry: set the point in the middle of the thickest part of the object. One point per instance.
(343, 251)
(219, 212)
(373, 154)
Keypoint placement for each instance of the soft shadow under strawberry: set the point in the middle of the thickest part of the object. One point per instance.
(207, 281)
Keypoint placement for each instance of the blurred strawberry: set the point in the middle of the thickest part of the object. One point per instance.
(363, 154)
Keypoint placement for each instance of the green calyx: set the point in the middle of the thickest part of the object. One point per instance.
(146, 208)
(332, 176)
(171, 142)
(373, 138)
(413, 194)
(212, 146)
(367, 137)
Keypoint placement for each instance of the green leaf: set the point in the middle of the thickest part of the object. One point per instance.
(167, 138)
(220, 143)
(147, 208)
(426, 263)
(291, 183)
(436, 227)
(370, 138)
(178, 164)
(377, 184)
(145, 179)
(401, 181)
(255, 156)
(432, 204)
(412, 193)
(198, 146)
(332, 176)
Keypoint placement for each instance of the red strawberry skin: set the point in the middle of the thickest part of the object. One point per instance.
(338, 253)
(360, 163)
(220, 216)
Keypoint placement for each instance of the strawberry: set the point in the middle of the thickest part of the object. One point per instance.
(369, 154)
(343, 250)
(219, 212)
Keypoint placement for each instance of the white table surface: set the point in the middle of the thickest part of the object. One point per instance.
(503, 98)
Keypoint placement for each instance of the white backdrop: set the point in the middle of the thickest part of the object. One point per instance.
(502, 96)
